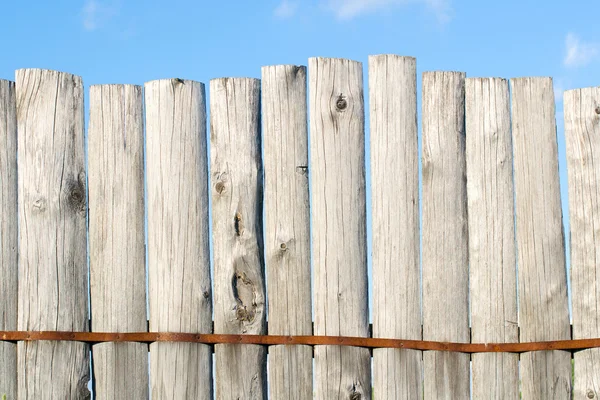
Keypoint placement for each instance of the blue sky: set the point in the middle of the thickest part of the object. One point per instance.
(134, 41)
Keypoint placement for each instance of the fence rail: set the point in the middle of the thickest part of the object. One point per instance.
(159, 195)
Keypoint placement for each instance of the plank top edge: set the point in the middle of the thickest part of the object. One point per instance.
(519, 79)
(396, 56)
(577, 91)
(332, 59)
(115, 85)
(484, 79)
(265, 67)
(46, 71)
(433, 73)
(235, 78)
(170, 80)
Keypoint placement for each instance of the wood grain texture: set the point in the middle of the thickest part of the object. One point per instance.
(52, 237)
(237, 197)
(445, 239)
(543, 307)
(395, 214)
(117, 248)
(337, 167)
(546, 375)
(582, 137)
(291, 372)
(178, 236)
(287, 220)
(120, 370)
(587, 378)
(492, 252)
(8, 236)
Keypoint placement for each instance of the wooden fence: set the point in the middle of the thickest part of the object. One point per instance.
(490, 187)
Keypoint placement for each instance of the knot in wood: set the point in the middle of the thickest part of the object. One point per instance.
(341, 103)
(39, 204)
(238, 224)
(302, 169)
(244, 293)
(597, 110)
(590, 394)
(75, 193)
(220, 187)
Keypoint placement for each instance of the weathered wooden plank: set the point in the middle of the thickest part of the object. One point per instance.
(287, 220)
(586, 375)
(116, 228)
(445, 239)
(337, 168)
(52, 239)
(397, 374)
(8, 236)
(582, 134)
(236, 172)
(543, 309)
(492, 252)
(178, 239)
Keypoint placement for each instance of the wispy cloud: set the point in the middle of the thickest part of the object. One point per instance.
(579, 53)
(441, 9)
(348, 9)
(285, 9)
(95, 13)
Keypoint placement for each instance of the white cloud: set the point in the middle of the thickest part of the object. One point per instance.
(95, 13)
(90, 11)
(286, 9)
(348, 9)
(441, 9)
(579, 54)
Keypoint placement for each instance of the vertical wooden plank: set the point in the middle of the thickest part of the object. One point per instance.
(445, 239)
(52, 235)
(582, 134)
(397, 374)
(285, 136)
(236, 179)
(8, 236)
(543, 307)
(337, 167)
(117, 248)
(178, 237)
(492, 257)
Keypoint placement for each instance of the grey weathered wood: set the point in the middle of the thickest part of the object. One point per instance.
(492, 252)
(337, 168)
(8, 236)
(116, 244)
(445, 239)
(118, 372)
(178, 236)
(8, 370)
(397, 374)
(543, 309)
(287, 219)
(587, 377)
(582, 134)
(52, 240)
(236, 189)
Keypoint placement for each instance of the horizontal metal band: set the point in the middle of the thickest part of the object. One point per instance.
(270, 340)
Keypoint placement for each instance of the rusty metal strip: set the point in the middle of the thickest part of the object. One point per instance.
(269, 340)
